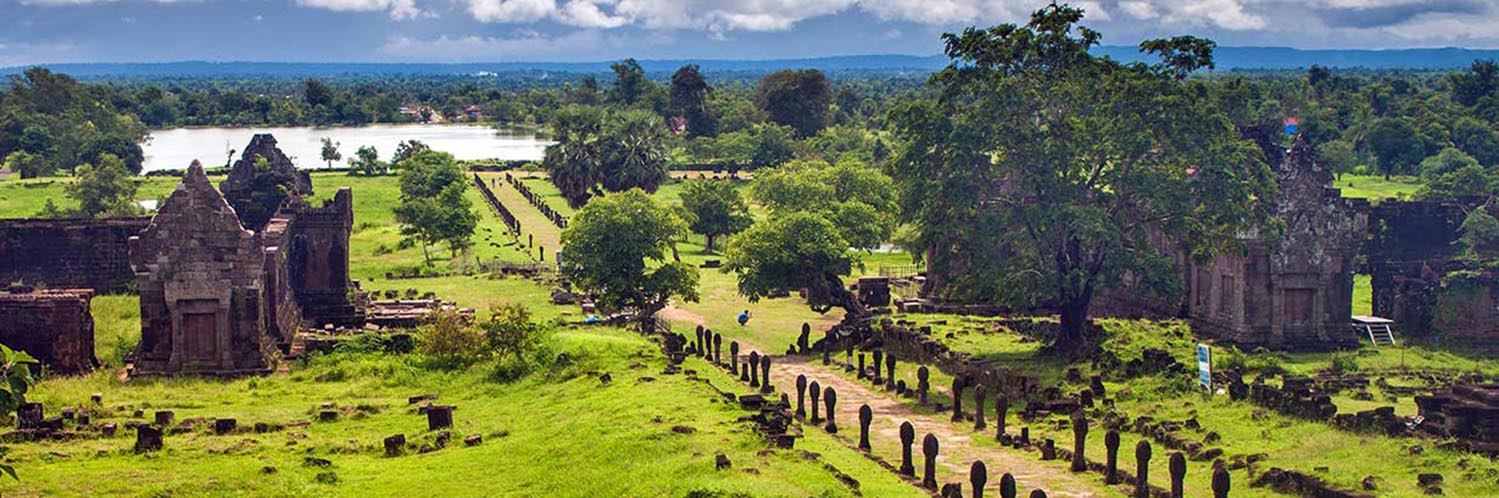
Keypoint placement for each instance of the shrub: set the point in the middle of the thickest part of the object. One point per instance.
(450, 341)
(1342, 363)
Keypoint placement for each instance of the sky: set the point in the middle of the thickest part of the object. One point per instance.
(43, 31)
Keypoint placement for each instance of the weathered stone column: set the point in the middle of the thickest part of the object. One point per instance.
(929, 450)
(754, 368)
(866, 415)
(859, 370)
(147, 438)
(978, 405)
(922, 385)
(801, 340)
(717, 349)
(734, 357)
(827, 347)
(816, 391)
(1025, 436)
(978, 475)
(889, 371)
(1001, 411)
(1048, 449)
(957, 399)
(801, 396)
(1178, 468)
(879, 361)
(1036, 493)
(1220, 483)
(1111, 447)
(907, 438)
(830, 397)
(697, 343)
(1079, 441)
(1007, 486)
(1142, 469)
(765, 386)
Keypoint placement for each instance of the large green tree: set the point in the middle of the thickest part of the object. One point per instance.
(800, 250)
(1396, 145)
(572, 162)
(104, 189)
(798, 99)
(613, 151)
(689, 98)
(617, 247)
(1057, 170)
(860, 201)
(715, 209)
(433, 208)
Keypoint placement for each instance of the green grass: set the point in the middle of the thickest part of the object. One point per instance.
(556, 433)
(1363, 295)
(1376, 187)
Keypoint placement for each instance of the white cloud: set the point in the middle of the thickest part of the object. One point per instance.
(399, 9)
(511, 11)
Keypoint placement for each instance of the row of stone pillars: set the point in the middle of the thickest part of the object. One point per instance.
(829, 400)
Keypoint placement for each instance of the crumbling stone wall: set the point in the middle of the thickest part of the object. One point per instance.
(54, 326)
(318, 261)
(201, 279)
(1411, 254)
(256, 196)
(68, 253)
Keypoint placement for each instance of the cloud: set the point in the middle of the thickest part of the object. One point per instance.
(527, 45)
(399, 9)
(1374, 14)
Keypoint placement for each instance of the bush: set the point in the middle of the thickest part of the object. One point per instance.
(1343, 363)
(450, 341)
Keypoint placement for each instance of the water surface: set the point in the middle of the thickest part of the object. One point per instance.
(176, 148)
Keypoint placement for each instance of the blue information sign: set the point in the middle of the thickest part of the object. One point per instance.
(1205, 366)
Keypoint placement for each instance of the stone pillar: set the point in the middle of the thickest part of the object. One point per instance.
(907, 438)
(957, 399)
(734, 357)
(830, 397)
(978, 475)
(827, 347)
(859, 371)
(1111, 447)
(754, 368)
(1036, 493)
(395, 445)
(1178, 468)
(147, 438)
(816, 391)
(1007, 486)
(866, 416)
(717, 349)
(922, 386)
(929, 450)
(1142, 469)
(1025, 436)
(165, 418)
(889, 371)
(879, 361)
(801, 340)
(848, 351)
(1087, 398)
(765, 386)
(1220, 483)
(801, 395)
(1096, 385)
(1001, 411)
(439, 417)
(1048, 449)
(700, 351)
(1079, 439)
(978, 406)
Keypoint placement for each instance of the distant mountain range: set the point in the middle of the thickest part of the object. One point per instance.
(1228, 58)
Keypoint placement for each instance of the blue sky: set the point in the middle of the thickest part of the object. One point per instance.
(39, 31)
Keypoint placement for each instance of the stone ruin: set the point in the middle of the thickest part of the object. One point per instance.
(249, 192)
(1468, 412)
(54, 326)
(68, 253)
(1412, 258)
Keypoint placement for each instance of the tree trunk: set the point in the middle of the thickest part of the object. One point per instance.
(709, 247)
(839, 296)
(1073, 339)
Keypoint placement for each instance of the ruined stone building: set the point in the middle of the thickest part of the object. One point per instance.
(68, 253)
(52, 325)
(1413, 254)
(255, 194)
(1292, 285)
(218, 298)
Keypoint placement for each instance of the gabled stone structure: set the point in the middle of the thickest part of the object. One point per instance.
(255, 196)
(1292, 288)
(201, 278)
(54, 326)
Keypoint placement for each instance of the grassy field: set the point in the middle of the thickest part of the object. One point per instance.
(1376, 187)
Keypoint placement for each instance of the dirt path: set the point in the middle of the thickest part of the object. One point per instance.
(532, 222)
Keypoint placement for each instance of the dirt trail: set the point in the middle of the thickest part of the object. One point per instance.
(956, 449)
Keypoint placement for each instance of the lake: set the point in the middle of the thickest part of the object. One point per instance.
(176, 148)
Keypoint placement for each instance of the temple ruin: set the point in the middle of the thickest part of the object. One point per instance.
(68, 253)
(254, 194)
(52, 325)
(1413, 258)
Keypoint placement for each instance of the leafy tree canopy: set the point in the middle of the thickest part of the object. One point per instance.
(859, 200)
(798, 99)
(616, 248)
(715, 208)
(800, 250)
(615, 151)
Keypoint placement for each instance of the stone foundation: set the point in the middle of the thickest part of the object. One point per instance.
(68, 253)
(53, 326)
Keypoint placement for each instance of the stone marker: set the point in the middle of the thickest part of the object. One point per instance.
(439, 417)
(473, 440)
(831, 398)
(1036, 493)
(978, 475)
(717, 349)
(801, 395)
(395, 445)
(1178, 469)
(978, 402)
(1142, 469)
(1220, 482)
(922, 386)
(1111, 445)
(754, 368)
(952, 490)
(1048, 449)
(900, 387)
(890, 382)
(1007, 486)
(859, 372)
(765, 386)
(97, 399)
(1096, 385)
(1079, 438)
(224, 426)
(734, 357)
(827, 347)
(957, 399)
(1001, 410)
(866, 415)
(165, 418)
(907, 438)
(879, 361)
(147, 438)
(1025, 436)
(1087, 398)
(848, 351)
(929, 471)
(801, 340)
(697, 344)
(109, 429)
(816, 392)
